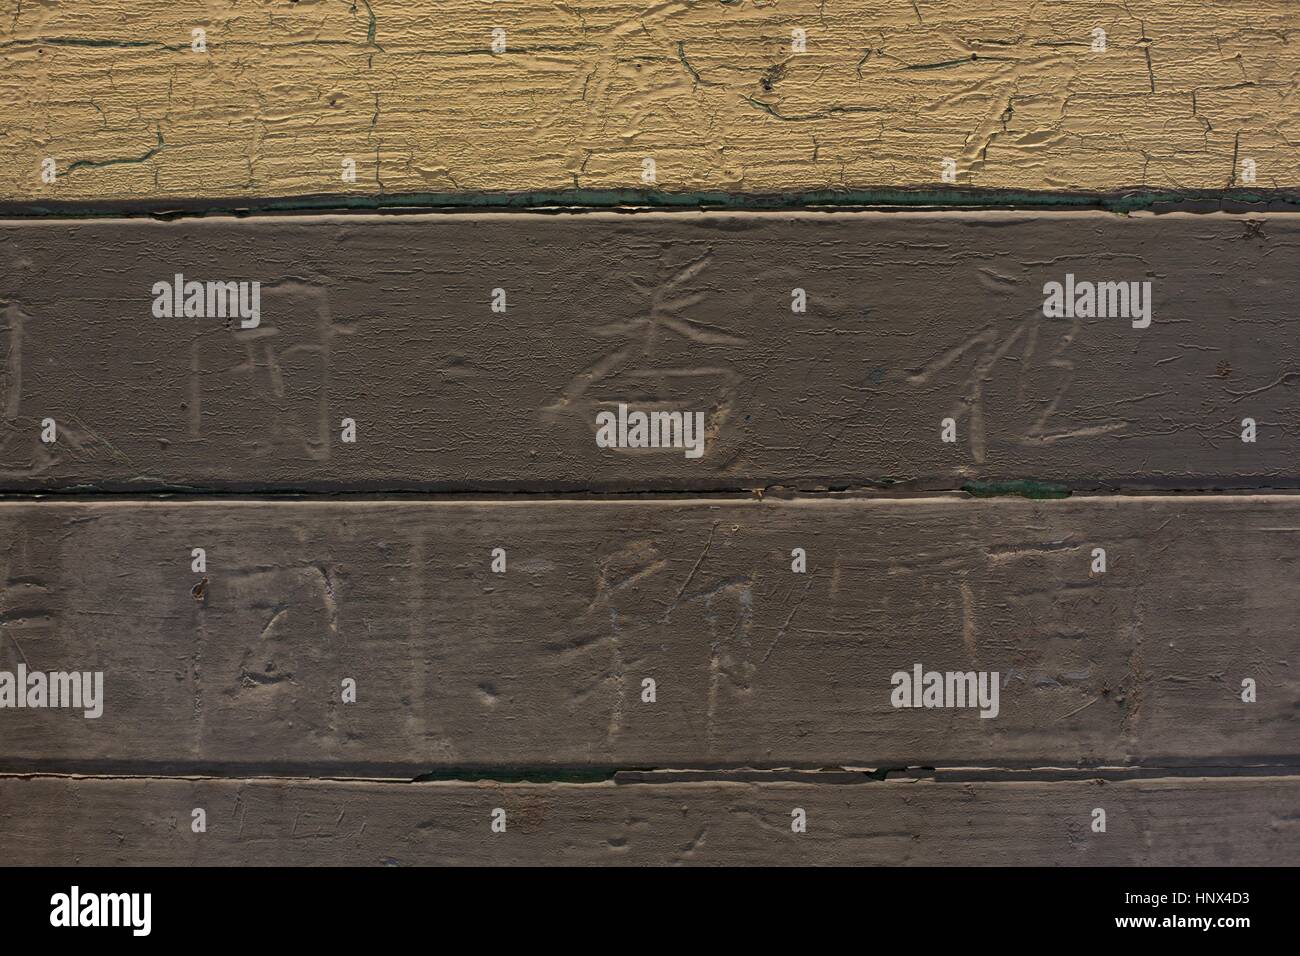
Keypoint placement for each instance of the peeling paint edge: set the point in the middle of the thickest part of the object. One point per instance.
(1121, 202)
(1037, 490)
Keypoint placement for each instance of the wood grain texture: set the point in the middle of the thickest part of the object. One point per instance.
(240, 669)
(911, 318)
(1185, 822)
(711, 91)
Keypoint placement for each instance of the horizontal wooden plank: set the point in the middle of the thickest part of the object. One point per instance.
(582, 93)
(241, 668)
(1184, 822)
(911, 319)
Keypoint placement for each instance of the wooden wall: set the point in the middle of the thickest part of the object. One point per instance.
(365, 587)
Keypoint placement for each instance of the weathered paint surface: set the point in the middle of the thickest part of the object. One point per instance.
(240, 668)
(1014, 94)
(1183, 822)
(218, 676)
(911, 319)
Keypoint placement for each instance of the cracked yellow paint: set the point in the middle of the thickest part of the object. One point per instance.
(1012, 91)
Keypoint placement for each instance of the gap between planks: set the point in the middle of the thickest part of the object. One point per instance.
(648, 496)
(597, 776)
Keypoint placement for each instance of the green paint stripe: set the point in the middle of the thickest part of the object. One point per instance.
(519, 775)
(1037, 490)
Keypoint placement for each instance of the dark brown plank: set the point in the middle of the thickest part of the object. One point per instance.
(912, 318)
(239, 669)
(1183, 822)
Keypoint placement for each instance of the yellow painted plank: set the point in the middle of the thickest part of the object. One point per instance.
(114, 93)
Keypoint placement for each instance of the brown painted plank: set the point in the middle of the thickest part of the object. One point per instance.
(1183, 822)
(911, 319)
(240, 669)
(1013, 93)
